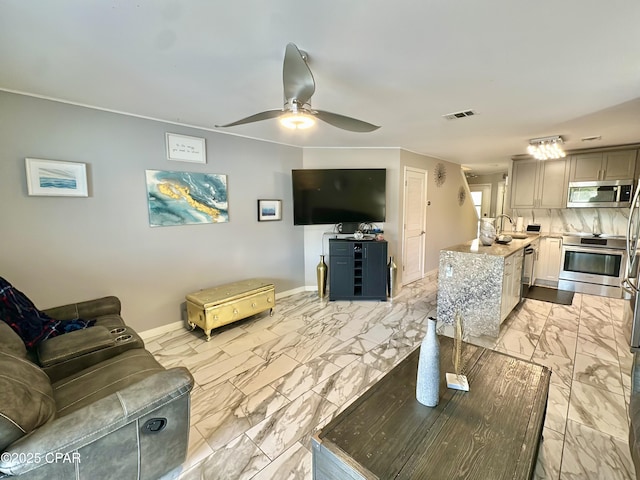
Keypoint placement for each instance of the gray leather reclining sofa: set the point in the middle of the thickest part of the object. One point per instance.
(90, 404)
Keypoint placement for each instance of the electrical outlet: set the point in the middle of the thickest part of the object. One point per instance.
(448, 271)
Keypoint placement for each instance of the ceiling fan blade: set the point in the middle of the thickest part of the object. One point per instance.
(254, 118)
(296, 76)
(345, 123)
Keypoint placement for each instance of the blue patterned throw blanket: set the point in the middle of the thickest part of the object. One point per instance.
(26, 320)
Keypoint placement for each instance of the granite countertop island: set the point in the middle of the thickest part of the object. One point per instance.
(481, 283)
(497, 249)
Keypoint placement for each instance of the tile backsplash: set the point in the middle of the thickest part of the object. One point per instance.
(612, 221)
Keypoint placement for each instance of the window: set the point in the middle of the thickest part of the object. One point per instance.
(477, 202)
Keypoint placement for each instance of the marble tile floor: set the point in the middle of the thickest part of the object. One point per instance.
(264, 386)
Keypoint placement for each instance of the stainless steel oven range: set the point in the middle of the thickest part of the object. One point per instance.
(593, 264)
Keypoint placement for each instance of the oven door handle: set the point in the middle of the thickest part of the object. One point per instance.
(602, 251)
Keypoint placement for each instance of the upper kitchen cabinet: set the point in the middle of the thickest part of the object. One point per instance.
(539, 183)
(616, 165)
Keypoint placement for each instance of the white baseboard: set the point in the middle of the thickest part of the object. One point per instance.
(154, 332)
(172, 327)
(288, 293)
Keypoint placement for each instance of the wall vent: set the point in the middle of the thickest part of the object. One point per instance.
(460, 114)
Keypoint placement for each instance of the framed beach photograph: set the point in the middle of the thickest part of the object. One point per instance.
(269, 210)
(56, 178)
(183, 148)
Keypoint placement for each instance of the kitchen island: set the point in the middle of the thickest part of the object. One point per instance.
(482, 283)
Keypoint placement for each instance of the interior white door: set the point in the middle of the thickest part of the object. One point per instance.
(415, 208)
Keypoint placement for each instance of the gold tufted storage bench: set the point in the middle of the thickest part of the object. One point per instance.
(218, 306)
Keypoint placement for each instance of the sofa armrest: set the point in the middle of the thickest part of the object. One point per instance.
(86, 310)
(72, 352)
(70, 433)
(74, 344)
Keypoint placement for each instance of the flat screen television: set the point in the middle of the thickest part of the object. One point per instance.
(330, 196)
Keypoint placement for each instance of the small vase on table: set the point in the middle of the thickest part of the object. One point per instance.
(428, 381)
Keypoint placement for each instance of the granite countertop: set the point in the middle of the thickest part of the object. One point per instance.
(497, 249)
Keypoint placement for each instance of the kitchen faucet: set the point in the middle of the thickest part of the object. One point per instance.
(499, 229)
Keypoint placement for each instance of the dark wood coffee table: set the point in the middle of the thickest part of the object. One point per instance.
(491, 432)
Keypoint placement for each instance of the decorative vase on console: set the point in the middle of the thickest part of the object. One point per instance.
(392, 273)
(487, 232)
(321, 272)
(428, 380)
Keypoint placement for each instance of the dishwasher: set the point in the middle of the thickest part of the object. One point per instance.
(528, 269)
(530, 257)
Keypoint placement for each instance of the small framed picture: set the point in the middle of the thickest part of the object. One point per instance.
(183, 148)
(269, 210)
(54, 178)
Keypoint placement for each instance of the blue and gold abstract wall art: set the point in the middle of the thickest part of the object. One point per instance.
(182, 198)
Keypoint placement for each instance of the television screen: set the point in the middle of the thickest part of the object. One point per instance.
(330, 196)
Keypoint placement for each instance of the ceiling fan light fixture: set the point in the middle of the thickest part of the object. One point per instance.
(297, 120)
(546, 148)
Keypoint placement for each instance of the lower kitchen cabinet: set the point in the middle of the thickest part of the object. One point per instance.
(549, 260)
(357, 269)
(511, 283)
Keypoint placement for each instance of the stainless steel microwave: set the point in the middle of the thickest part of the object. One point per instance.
(601, 193)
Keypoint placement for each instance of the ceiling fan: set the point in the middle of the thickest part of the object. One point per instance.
(299, 86)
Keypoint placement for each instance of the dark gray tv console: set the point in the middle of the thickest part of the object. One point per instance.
(357, 269)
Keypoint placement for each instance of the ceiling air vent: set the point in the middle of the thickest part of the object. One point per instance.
(460, 114)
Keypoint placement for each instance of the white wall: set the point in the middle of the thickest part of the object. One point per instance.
(448, 222)
(59, 250)
(351, 158)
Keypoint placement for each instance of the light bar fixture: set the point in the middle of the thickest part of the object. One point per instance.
(546, 148)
